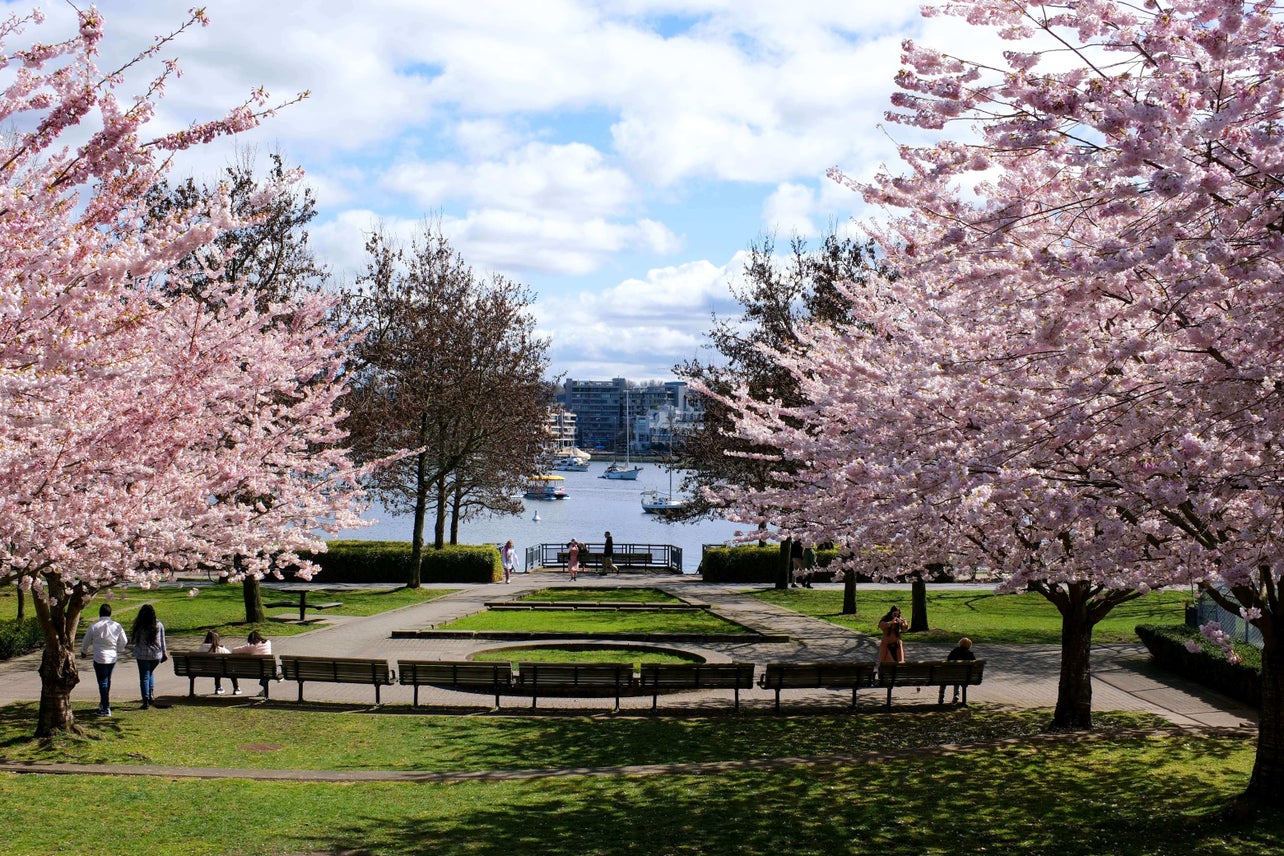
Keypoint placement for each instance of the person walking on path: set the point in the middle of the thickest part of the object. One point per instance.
(508, 556)
(213, 644)
(809, 566)
(148, 641)
(573, 559)
(258, 645)
(107, 639)
(608, 557)
(796, 561)
(890, 647)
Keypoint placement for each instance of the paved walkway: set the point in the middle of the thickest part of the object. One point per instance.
(1016, 676)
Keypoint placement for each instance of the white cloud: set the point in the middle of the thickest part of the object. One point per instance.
(639, 327)
(538, 177)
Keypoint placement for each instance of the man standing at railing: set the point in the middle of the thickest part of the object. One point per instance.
(608, 557)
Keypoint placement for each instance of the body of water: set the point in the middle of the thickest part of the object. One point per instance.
(593, 507)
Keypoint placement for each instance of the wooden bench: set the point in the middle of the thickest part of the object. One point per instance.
(339, 670)
(465, 675)
(930, 673)
(837, 675)
(253, 667)
(573, 679)
(672, 677)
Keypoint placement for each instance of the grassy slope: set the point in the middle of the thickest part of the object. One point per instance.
(980, 614)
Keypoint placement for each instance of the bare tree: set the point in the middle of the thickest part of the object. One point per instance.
(452, 369)
(269, 255)
(780, 295)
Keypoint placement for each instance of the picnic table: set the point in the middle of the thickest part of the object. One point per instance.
(302, 592)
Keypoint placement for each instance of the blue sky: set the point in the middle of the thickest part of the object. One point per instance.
(618, 157)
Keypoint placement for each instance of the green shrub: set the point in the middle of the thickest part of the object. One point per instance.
(389, 562)
(20, 637)
(1209, 667)
(462, 563)
(749, 563)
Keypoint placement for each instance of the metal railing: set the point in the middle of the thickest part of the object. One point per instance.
(663, 556)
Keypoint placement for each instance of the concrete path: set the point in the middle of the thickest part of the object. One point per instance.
(1017, 676)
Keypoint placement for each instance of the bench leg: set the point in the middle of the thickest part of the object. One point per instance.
(300, 692)
(416, 701)
(737, 698)
(655, 699)
(777, 700)
(377, 702)
(965, 695)
(191, 687)
(853, 698)
(889, 696)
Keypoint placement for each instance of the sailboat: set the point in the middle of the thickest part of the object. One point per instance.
(654, 502)
(626, 472)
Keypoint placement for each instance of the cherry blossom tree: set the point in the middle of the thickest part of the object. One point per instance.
(1074, 380)
(140, 419)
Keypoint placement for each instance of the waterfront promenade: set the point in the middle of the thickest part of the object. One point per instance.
(1017, 676)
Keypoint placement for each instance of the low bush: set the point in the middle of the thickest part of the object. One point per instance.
(389, 562)
(1207, 667)
(749, 563)
(19, 637)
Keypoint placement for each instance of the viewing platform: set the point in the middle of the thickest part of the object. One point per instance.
(636, 558)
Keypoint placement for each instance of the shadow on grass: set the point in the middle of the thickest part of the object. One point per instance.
(1130, 798)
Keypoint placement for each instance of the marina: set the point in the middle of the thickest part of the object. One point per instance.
(593, 506)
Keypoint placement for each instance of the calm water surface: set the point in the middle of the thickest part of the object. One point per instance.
(593, 506)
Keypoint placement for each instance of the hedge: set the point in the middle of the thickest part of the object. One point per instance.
(20, 637)
(389, 561)
(749, 563)
(1209, 667)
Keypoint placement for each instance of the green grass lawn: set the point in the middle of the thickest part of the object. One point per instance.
(1117, 793)
(597, 595)
(565, 621)
(981, 614)
(188, 617)
(593, 654)
(221, 608)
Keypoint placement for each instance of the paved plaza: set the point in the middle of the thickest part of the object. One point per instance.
(1016, 676)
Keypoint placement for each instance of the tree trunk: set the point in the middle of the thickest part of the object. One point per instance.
(439, 525)
(456, 503)
(918, 606)
(417, 528)
(252, 595)
(786, 564)
(58, 677)
(22, 604)
(1074, 687)
(849, 592)
(1266, 784)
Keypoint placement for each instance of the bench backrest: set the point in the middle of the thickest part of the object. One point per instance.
(347, 670)
(454, 674)
(930, 673)
(574, 674)
(697, 675)
(256, 666)
(838, 674)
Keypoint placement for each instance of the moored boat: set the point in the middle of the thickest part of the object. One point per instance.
(545, 487)
(616, 471)
(654, 502)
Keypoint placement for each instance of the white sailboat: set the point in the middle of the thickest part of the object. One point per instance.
(654, 502)
(626, 472)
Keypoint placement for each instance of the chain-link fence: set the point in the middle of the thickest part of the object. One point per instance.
(1232, 624)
